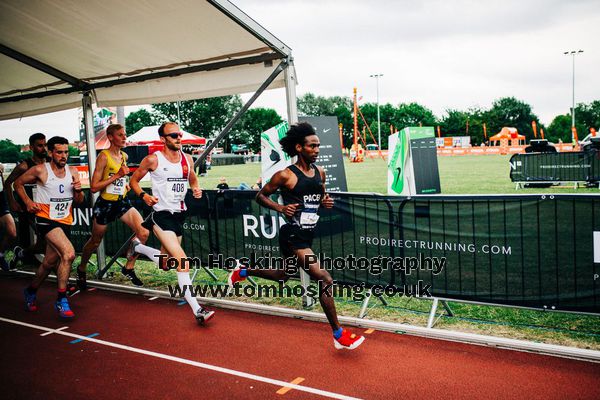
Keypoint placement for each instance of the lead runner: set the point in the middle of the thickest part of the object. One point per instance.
(303, 191)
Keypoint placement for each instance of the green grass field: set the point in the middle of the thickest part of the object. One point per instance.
(458, 175)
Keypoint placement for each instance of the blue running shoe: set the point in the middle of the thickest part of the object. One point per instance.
(63, 308)
(30, 299)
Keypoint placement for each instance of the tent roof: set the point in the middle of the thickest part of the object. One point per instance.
(150, 134)
(52, 51)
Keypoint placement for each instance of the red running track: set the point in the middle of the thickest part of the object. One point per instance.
(270, 348)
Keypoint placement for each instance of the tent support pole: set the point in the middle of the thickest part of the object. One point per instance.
(90, 138)
(281, 67)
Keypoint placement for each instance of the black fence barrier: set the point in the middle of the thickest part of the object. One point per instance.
(581, 166)
(528, 250)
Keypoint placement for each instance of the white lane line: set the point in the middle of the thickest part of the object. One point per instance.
(180, 360)
(54, 331)
(153, 298)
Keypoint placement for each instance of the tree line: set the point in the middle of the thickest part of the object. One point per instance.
(207, 117)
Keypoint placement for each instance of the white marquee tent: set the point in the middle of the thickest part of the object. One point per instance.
(129, 53)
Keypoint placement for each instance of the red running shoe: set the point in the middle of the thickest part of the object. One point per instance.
(234, 276)
(348, 341)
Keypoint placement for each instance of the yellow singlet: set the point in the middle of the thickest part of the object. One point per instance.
(116, 190)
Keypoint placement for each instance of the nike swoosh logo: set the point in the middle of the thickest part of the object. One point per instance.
(326, 130)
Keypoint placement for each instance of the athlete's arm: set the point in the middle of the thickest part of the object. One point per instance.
(77, 191)
(277, 181)
(193, 179)
(327, 201)
(149, 163)
(32, 175)
(97, 183)
(18, 171)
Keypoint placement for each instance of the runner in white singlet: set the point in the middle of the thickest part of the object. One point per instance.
(172, 173)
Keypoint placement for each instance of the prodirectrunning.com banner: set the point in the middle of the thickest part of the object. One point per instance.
(530, 250)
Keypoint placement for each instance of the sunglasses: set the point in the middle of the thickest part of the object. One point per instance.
(173, 135)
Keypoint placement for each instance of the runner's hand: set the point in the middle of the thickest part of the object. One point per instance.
(290, 209)
(77, 185)
(33, 207)
(150, 200)
(197, 192)
(327, 201)
(124, 170)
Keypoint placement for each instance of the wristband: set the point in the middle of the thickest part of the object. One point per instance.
(142, 194)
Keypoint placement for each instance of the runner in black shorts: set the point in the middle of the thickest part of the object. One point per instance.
(58, 186)
(302, 188)
(172, 173)
(109, 179)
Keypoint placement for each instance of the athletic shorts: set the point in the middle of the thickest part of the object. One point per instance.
(292, 237)
(3, 205)
(43, 226)
(106, 211)
(167, 221)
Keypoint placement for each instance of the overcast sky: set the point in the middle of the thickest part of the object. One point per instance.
(452, 54)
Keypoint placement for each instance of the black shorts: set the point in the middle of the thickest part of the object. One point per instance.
(106, 211)
(292, 237)
(3, 205)
(167, 221)
(43, 226)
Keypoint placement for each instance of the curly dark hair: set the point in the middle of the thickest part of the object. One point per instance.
(296, 135)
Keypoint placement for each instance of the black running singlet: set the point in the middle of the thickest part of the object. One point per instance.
(308, 192)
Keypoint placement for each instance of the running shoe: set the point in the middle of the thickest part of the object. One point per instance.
(63, 308)
(203, 315)
(234, 276)
(4, 264)
(130, 274)
(131, 249)
(17, 256)
(348, 341)
(30, 299)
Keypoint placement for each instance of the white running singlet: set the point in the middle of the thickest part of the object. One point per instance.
(170, 183)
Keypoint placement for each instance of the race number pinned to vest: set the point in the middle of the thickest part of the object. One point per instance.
(177, 188)
(60, 208)
(308, 219)
(117, 187)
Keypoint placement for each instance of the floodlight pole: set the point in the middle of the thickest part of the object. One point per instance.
(377, 76)
(573, 53)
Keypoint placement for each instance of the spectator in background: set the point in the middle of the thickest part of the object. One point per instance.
(222, 184)
(258, 184)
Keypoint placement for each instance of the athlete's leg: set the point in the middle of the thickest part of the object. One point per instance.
(61, 243)
(51, 260)
(172, 244)
(8, 230)
(324, 280)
